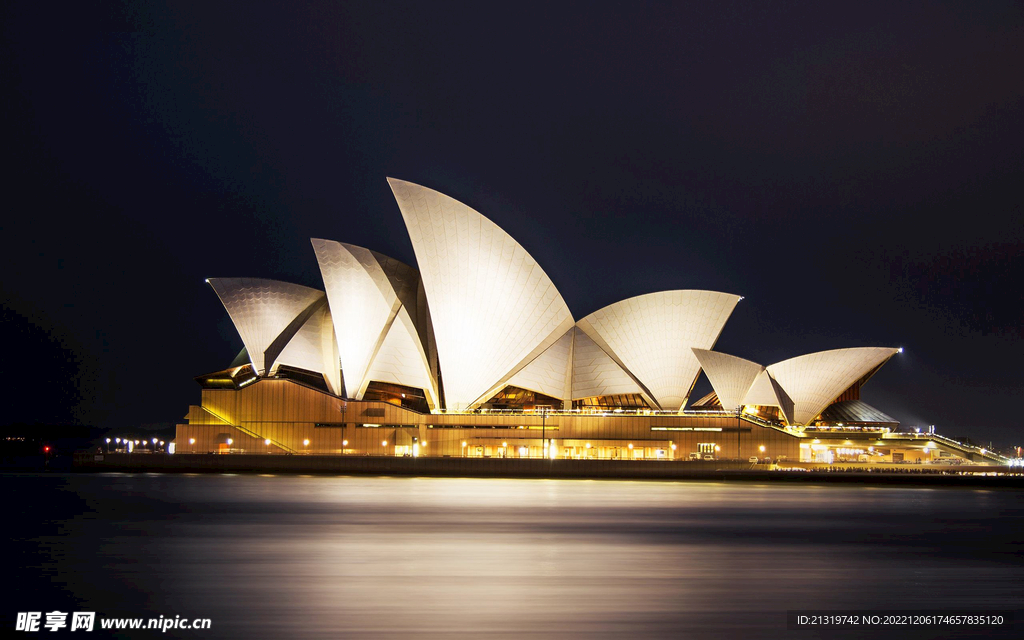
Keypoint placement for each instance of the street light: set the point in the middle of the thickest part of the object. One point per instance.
(543, 431)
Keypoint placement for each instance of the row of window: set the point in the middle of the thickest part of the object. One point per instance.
(534, 427)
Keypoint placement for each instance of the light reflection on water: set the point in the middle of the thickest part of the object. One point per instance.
(367, 557)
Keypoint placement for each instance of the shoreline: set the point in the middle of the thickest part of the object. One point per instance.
(720, 470)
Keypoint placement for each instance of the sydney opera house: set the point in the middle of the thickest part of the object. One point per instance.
(474, 353)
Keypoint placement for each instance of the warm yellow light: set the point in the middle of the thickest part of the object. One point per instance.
(267, 442)
(230, 441)
(673, 446)
(423, 444)
(305, 442)
(761, 448)
(384, 443)
(718, 448)
(191, 440)
(504, 444)
(630, 445)
(588, 445)
(344, 443)
(871, 448)
(463, 444)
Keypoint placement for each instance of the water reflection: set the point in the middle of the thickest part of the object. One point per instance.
(361, 557)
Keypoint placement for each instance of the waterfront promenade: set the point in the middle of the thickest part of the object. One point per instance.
(973, 475)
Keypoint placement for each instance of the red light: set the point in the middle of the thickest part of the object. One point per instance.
(46, 449)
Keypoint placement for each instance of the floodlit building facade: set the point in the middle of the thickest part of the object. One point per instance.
(475, 354)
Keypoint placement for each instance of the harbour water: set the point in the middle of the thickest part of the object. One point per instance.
(375, 557)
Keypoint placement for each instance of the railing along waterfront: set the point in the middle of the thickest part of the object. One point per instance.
(583, 412)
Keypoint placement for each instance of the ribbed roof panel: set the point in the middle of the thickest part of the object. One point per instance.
(492, 306)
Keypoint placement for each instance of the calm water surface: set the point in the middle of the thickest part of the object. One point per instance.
(366, 557)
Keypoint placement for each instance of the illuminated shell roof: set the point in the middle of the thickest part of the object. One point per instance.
(766, 392)
(314, 348)
(652, 337)
(402, 360)
(492, 307)
(816, 379)
(266, 313)
(594, 372)
(496, 319)
(549, 373)
(373, 303)
(730, 376)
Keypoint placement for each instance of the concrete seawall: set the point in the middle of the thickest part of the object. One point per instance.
(519, 468)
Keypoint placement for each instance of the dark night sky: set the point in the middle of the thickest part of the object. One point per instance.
(854, 171)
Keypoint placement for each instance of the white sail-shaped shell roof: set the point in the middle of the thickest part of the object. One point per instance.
(730, 376)
(595, 373)
(370, 295)
(496, 319)
(492, 306)
(550, 373)
(266, 313)
(766, 392)
(652, 335)
(314, 348)
(816, 379)
(401, 359)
